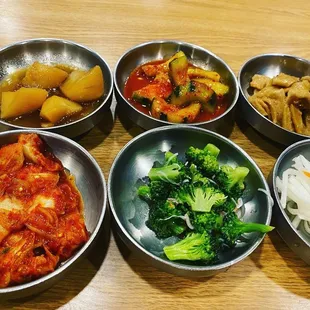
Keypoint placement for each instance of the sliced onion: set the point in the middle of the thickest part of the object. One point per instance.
(183, 217)
(296, 221)
(270, 199)
(307, 226)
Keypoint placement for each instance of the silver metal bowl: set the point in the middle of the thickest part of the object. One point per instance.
(91, 183)
(270, 65)
(155, 50)
(23, 54)
(130, 213)
(297, 239)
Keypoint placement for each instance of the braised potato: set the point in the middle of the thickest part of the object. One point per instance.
(22, 101)
(43, 76)
(84, 85)
(55, 108)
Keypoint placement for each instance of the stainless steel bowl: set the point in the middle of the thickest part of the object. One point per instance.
(23, 54)
(270, 65)
(155, 50)
(297, 239)
(91, 183)
(130, 213)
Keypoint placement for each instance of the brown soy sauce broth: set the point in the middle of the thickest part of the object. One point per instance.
(33, 119)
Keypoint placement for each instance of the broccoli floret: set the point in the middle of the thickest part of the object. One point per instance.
(231, 180)
(170, 172)
(155, 192)
(200, 198)
(159, 191)
(228, 206)
(163, 220)
(205, 160)
(233, 228)
(144, 192)
(207, 222)
(194, 247)
(171, 158)
(195, 175)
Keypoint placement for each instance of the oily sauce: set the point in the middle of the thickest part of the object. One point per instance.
(12, 82)
(138, 79)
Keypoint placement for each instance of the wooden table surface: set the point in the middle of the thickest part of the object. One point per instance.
(112, 277)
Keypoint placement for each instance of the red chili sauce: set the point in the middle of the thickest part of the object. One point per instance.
(138, 79)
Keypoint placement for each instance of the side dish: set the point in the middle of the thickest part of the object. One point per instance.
(294, 189)
(41, 212)
(199, 202)
(176, 91)
(45, 95)
(284, 99)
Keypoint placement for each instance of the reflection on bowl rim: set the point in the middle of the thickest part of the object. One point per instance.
(275, 191)
(66, 264)
(180, 43)
(38, 40)
(176, 264)
(246, 98)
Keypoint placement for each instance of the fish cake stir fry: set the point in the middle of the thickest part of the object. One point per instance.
(284, 99)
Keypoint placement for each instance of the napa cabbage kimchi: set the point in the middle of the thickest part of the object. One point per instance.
(41, 212)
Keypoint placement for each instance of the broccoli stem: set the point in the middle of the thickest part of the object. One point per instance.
(251, 227)
(212, 149)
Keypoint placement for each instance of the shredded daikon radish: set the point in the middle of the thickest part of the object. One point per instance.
(307, 227)
(294, 189)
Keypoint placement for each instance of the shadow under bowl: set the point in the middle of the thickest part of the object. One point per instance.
(131, 213)
(57, 51)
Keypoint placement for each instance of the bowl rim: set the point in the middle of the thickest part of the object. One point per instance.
(81, 251)
(246, 99)
(275, 173)
(57, 40)
(180, 43)
(172, 264)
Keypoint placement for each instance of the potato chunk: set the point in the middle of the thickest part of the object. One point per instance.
(84, 85)
(23, 101)
(43, 76)
(55, 108)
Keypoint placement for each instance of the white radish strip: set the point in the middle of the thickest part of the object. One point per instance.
(293, 211)
(279, 184)
(307, 226)
(296, 221)
(305, 162)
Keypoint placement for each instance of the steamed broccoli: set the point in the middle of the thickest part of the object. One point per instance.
(207, 222)
(170, 172)
(144, 192)
(163, 220)
(228, 206)
(205, 159)
(231, 180)
(195, 175)
(233, 228)
(193, 247)
(156, 191)
(200, 197)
